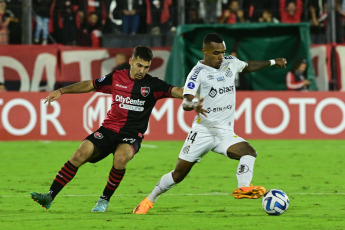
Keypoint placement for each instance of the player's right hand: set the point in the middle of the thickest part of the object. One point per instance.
(53, 96)
(199, 108)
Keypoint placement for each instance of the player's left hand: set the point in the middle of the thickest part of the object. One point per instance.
(199, 108)
(281, 62)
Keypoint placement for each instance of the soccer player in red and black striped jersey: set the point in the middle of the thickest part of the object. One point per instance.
(134, 94)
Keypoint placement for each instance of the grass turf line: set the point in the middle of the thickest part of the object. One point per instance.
(301, 168)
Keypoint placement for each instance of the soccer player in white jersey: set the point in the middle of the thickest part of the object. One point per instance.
(210, 91)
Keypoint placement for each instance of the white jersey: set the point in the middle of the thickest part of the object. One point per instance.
(217, 87)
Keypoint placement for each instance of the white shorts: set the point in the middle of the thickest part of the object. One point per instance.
(201, 140)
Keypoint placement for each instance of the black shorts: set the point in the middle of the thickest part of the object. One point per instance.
(106, 141)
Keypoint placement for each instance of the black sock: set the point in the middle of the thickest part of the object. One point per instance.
(65, 175)
(115, 177)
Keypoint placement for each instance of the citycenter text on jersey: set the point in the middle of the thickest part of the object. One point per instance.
(128, 100)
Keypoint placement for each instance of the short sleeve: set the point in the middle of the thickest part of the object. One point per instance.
(193, 82)
(104, 84)
(163, 88)
(237, 64)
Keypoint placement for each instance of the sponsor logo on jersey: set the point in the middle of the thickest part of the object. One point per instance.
(101, 79)
(213, 92)
(220, 78)
(98, 135)
(145, 91)
(226, 89)
(195, 74)
(191, 85)
(130, 104)
(128, 100)
(218, 109)
(210, 77)
(228, 73)
(121, 86)
(132, 107)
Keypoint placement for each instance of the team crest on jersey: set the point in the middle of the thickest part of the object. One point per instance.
(98, 135)
(145, 91)
(228, 73)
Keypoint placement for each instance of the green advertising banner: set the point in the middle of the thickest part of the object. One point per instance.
(251, 41)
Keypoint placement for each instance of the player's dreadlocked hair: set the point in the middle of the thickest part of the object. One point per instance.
(143, 52)
(212, 37)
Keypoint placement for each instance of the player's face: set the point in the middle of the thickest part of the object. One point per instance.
(214, 54)
(139, 68)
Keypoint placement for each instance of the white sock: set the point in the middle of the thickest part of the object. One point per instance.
(245, 171)
(162, 186)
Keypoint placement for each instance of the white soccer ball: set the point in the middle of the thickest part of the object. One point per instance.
(275, 202)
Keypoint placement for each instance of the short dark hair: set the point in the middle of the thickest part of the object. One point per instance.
(142, 52)
(213, 37)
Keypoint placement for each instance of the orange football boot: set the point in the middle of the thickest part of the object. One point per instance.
(144, 206)
(252, 192)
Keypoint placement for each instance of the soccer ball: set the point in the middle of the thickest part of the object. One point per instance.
(275, 202)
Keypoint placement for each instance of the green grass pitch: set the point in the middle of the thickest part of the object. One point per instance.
(310, 172)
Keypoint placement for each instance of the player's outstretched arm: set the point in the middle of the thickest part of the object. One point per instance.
(190, 103)
(177, 92)
(80, 87)
(258, 65)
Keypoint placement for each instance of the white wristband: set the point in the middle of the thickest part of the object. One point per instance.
(273, 62)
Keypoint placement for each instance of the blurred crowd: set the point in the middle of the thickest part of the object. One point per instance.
(82, 22)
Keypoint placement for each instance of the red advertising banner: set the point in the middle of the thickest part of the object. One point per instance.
(82, 64)
(38, 67)
(30, 65)
(259, 115)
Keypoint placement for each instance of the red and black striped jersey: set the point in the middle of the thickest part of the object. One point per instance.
(132, 100)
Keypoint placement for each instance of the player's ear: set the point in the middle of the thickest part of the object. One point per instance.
(130, 61)
(204, 51)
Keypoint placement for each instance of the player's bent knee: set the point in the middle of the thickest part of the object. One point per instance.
(121, 160)
(79, 158)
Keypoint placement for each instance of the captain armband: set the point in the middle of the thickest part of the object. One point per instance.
(192, 103)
